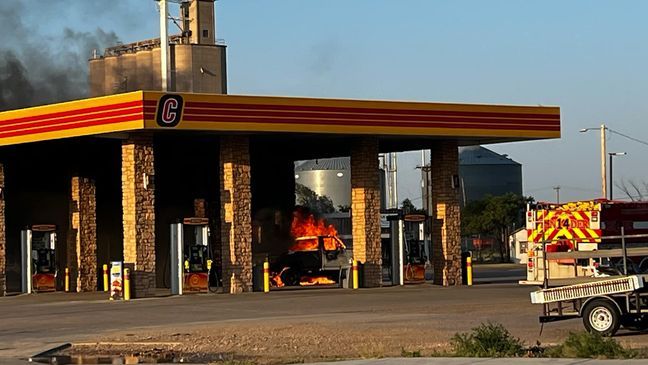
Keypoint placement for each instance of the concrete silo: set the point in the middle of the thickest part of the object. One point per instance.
(327, 176)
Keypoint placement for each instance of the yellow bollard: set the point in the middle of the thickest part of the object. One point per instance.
(105, 277)
(127, 284)
(266, 276)
(469, 270)
(354, 270)
(67, 279)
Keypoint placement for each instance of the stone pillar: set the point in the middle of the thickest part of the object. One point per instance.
(446, 219)
(200, 208)
(236, 214)
(365, 209)
(82, 245)
(138, 205)
(3, 237)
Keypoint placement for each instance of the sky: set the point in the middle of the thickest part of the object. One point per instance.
(588, 57)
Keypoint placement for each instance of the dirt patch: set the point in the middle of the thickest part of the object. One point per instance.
(274, 343)
(297, 340)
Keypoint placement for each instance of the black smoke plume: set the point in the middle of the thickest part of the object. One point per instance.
(38, 69)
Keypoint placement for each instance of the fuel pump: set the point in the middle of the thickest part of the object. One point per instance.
(416, 250)
(38, 253)
(190, 256)
(408, 256)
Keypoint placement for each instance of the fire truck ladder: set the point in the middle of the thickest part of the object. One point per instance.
(578, 291)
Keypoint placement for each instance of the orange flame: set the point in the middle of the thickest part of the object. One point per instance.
(276, 280)
(306, 231)
(305, 225)
(315, 280)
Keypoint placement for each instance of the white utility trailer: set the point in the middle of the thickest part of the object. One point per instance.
(603, 302)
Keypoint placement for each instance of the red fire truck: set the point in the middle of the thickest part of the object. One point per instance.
(569, 242)
(591, 259)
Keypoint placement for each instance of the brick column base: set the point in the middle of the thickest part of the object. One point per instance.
(142, 283)
(236, 214)
(82, 246)
(365, 209)
(138, 203)
(446, 218)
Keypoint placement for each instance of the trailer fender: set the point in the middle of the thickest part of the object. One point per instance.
(585, 303)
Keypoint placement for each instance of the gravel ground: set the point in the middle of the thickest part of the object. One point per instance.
(277, 342)
(298, 340)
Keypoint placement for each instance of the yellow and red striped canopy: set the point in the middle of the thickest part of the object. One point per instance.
(144, 110)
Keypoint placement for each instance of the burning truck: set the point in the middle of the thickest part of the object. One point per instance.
(316, 257)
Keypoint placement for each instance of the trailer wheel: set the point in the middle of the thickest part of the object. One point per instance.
(601, 316)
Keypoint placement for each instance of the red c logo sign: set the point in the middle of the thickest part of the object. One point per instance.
(169, 111)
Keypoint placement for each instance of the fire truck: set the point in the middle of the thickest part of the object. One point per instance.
(591, 259)
(569, 243)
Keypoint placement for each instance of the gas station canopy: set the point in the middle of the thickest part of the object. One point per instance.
(144, 110)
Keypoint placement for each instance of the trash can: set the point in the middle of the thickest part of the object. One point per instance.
(464, 267)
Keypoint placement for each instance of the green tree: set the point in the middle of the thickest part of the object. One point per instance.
(409, 207)
(498, 216)
(344, 208)
(317, 204)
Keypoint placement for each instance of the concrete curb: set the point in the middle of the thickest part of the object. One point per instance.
(481, 361)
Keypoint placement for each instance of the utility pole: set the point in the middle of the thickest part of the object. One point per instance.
(426, 193)
(603, 159)
(557, 189)
(612, 154)
(390, 164)
(393, 160)
(426, 198)
(164, 44)
(423, 182)
(603, 129)
(611, 179)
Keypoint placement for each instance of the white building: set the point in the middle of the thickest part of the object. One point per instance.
(518, 246)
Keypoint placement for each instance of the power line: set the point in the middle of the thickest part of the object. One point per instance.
(628, 137)
(544, 188)
(567, 187)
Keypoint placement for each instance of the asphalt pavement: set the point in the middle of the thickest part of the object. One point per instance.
(33, 323)
(30, 324)
(498, 273)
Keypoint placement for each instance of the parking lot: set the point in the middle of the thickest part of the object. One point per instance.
(298, 324)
